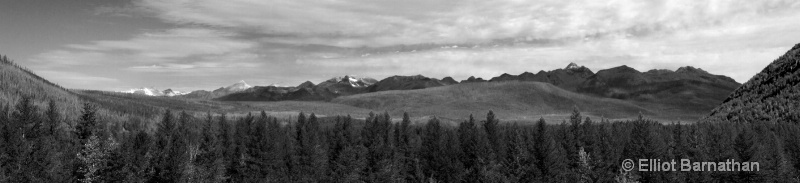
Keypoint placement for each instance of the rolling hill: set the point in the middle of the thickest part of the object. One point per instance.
(772, 95)
(516, 101)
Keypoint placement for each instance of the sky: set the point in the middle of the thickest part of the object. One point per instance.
(206, 44)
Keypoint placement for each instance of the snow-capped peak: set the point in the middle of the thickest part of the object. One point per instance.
(144, 91)
(572, 65)
(238, 86)
(153, 92)
(353, 81)
(171, 93)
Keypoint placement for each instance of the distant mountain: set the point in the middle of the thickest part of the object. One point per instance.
(472, 79)
(568, 78)
(326, 90)
(144, 91)
(172, 93)
(688, 88)
(409, 83)
(339, 86)
(238, 86)
(624, 82)
(449, 80)
(222, 91)
(272, 93)
(773, 95)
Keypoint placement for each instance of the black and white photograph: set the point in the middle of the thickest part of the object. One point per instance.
(385, 91)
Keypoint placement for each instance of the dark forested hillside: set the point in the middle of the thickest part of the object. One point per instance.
(771, 95)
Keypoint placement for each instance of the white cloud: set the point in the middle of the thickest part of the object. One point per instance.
(381, 23)
(174, 46)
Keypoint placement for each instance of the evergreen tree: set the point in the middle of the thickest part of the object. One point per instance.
(86, 124)
(168, 161)
(548, 156)
(347, 159)
(138, 162)
(493, 137)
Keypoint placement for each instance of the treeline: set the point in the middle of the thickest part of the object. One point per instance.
(35, 147)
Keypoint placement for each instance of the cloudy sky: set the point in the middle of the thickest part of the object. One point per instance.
(205, 44)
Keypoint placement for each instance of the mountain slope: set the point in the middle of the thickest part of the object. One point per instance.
(17, 82)
(773, 95)
(688, 88)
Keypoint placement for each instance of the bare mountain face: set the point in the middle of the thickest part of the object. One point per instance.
(773, 95)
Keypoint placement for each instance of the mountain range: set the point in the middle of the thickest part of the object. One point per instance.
(682, 94)
(685, 94)
(154, 92)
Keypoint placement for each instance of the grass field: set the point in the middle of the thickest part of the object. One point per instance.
(511, 101)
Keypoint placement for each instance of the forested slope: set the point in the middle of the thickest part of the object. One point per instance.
(772, 95)
(17, 82)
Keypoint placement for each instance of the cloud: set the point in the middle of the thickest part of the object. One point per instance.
(737, 50)
(176, 46)
(180, 54)
(374, 23)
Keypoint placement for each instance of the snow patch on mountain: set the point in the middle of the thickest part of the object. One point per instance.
(144, 91)
(572, 65)
(153, 92)
(353, 81)
(239, 86)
